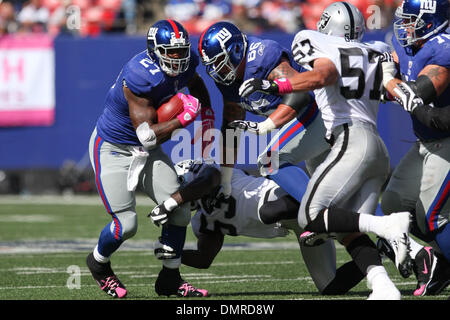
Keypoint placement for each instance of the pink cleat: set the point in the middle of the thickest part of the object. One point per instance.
(188, 290)
(105, 277)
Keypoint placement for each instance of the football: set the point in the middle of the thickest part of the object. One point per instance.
(169, 109)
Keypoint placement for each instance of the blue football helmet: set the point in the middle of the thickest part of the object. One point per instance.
(222, 47)
(168, 43)
(419, 20)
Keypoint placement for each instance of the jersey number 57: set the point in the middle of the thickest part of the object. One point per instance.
(356, 72)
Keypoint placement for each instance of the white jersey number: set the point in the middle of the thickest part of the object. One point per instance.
(227, 208)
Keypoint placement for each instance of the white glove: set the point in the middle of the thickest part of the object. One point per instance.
(252, 126)
(407, 98)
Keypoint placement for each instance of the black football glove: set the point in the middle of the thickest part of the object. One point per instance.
(163, 251)
(245, 125)
(407, 98)
(251, 85)
(159, 215)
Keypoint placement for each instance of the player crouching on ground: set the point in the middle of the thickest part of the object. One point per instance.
(264, 210)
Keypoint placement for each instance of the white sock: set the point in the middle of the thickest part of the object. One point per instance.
(370, 223)
(415, 247)
(98, 257)
(377, 275)
(172, 263)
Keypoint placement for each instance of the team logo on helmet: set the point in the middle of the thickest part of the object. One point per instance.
(222, 48)
(420, 20)
(223, 36)
(152, 33)
(428, 6)
(165, 38)
(324, 19)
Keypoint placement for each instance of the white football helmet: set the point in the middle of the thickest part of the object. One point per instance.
(185, 175)
(187, 168)
(342, 19)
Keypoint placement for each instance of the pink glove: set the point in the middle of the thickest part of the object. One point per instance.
(191, 109)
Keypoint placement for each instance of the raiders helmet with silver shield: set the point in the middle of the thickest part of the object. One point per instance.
(342, 19)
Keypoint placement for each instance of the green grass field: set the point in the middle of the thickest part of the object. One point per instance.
(44, 243)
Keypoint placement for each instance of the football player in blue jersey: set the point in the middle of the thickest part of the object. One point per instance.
(421, 182)
(232, 57)
(125, 152)
(343, 191)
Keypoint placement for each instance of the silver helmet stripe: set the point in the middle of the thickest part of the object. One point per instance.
(352, 20)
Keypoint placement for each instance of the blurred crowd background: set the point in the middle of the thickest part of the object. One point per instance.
(95, 17)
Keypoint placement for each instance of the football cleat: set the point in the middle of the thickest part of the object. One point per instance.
(312, 239)
(169, 282)
(105, 277)
(396, 230)
(385, 248)
(385, 292)
(383, 288)
(433, 273)
(187, 290)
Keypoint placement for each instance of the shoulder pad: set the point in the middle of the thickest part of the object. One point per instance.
(378, 46)
(309, 45)
(137, 75)
(439, 50)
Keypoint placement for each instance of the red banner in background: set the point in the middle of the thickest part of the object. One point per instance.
(27, 80)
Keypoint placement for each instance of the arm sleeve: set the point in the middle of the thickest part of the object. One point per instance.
(435, 118)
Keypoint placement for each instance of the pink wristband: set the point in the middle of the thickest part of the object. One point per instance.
(284, 85)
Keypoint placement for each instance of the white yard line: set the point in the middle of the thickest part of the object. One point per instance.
(86, 245)
(64, 200)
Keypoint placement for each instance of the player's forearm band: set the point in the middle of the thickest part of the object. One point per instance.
(297, 100)
(170, 204)
(389, 72)
(424, 88)
(284, 85)
(266, 126)
(435, 118)
(146, 135)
